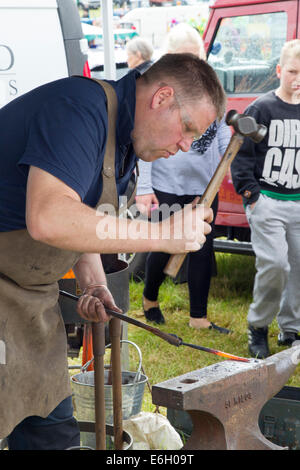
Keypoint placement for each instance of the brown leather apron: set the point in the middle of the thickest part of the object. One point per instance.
(35, 378)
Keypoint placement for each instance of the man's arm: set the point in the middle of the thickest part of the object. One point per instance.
(145, 196)
(91, 278)
(243, 166)
(89, 270)
(55, 215)
(223, 136)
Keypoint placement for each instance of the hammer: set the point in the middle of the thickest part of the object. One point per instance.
(244, 126)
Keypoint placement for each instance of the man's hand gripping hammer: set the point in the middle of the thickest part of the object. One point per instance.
(244, 126)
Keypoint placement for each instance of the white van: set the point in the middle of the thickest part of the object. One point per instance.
(153, 23)
(40, 41)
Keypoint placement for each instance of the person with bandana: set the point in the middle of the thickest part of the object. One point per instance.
(177, 181)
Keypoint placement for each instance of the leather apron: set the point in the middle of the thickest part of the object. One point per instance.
(34, 375)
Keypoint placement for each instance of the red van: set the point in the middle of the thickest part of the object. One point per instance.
(243, 39)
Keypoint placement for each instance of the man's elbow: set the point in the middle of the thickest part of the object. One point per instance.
(39, 228)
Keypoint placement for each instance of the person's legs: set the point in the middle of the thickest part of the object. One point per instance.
(289, 314)
(200, 264)
(58, 431)
(199, 273)
(154, 276)
(268, 236)
(156, 261)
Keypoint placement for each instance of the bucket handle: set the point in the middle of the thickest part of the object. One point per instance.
(138, 372)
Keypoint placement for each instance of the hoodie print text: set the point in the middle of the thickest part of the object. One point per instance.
(282, 161)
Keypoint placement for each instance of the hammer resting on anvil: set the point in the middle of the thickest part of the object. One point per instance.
(224, 400)
(244, 126)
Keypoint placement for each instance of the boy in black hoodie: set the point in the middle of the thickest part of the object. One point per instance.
(267, 175)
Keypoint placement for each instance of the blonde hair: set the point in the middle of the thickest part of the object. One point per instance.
(290, 49)
(182, 34)
(140, 45)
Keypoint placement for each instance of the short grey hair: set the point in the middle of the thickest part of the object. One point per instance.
(140, 45)
(191, 77)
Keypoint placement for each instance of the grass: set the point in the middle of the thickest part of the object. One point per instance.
(229, 300)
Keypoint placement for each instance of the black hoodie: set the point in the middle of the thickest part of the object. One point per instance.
(273, 165)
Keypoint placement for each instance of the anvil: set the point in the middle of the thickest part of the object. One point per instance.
(224, 400)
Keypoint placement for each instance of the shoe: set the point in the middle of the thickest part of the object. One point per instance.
(154, 314)
(258, 342)
(220, 329)
(287, 338)
(211, 326)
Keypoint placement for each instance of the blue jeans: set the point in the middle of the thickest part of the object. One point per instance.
(56, 432)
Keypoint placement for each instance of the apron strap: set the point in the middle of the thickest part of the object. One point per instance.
(109, 192)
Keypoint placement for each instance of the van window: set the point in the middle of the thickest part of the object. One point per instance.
(246, 50)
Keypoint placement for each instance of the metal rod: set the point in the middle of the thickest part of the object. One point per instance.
(116, 372)
(170, 338)
(98, 335)
(218, 353)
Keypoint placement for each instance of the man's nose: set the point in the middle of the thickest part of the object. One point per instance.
(185, 144)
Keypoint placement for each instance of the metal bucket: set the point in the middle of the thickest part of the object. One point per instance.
(133, 385)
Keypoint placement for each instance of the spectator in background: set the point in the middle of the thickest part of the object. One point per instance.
(139, 54)
(266, 176)
(178, 180)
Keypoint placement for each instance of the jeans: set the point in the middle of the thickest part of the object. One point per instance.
(56, 432)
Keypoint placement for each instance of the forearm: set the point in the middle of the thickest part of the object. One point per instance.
(89, 270)
(56, 216)
(223, 135)
(92, 281)
(243, 176)
(71, 225)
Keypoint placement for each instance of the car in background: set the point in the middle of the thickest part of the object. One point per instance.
(88, 4)
(243, 42)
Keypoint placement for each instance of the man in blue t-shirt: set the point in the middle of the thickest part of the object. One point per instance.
(52, 146)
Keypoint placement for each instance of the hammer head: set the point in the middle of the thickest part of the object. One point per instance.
(246, 126)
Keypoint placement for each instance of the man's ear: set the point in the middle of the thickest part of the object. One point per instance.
(278, 70)
(162, 97)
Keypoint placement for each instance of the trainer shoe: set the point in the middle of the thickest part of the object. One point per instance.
(258, 342)
(287, 338)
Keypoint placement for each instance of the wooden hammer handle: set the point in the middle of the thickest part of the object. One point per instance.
(175, 261)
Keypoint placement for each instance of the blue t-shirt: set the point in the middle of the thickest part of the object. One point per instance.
(61, 127)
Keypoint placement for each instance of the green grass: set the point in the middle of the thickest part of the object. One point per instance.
(230, 297)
